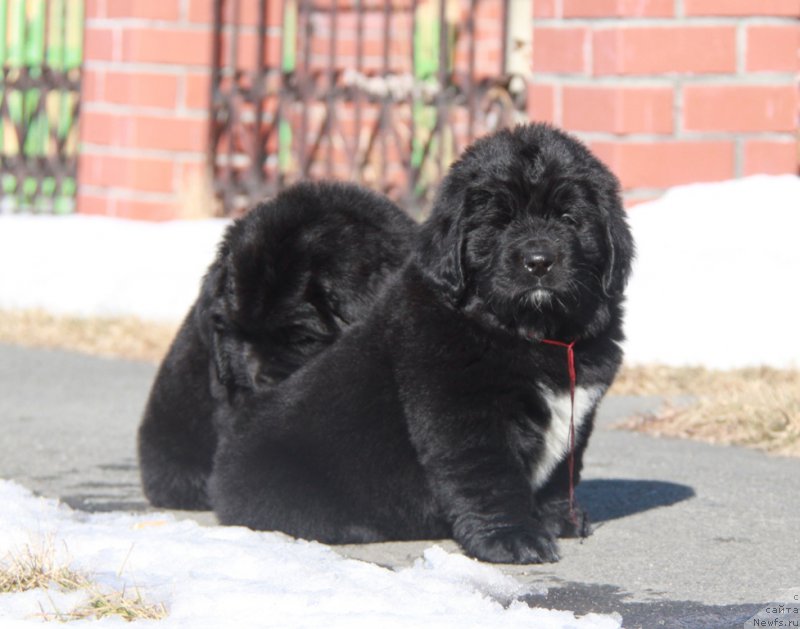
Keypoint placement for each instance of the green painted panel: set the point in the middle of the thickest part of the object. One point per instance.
(35, 34)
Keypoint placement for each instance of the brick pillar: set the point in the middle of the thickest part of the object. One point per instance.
(144, 107)
(670, 92)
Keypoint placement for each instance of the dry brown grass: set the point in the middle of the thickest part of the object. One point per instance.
(36, 568)
(104, 604)
(124, 337)
(758, 407)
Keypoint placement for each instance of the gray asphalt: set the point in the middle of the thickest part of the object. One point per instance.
(687, 535)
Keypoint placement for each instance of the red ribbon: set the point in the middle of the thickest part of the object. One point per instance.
(572, 382)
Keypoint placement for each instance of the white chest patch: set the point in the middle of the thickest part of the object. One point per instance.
(556, 438)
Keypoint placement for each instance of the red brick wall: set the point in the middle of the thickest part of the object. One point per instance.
(665, 91)
(144, 106)
(670, 92)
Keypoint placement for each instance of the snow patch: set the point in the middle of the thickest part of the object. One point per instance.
(713, 283)
(716, 274)
(97, 266)
(234, 577)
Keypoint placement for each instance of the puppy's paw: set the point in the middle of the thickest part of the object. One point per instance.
(513, 545)
(576, 525)
(561, 522)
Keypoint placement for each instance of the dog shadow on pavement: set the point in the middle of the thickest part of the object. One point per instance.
(612, 498)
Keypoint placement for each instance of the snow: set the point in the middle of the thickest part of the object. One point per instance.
(233, 577)
(716, 277)
(97, 266)
(714, 281)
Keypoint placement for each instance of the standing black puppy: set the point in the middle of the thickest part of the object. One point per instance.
(289, 277)
(444, 412)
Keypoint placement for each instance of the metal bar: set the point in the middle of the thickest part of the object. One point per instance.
(233, 120)
(412, 172)
(304, 77)
(383, 121)
(504, 39)
(257, 175)
(213, 100)
(355, 172)
(331, 99)
(441, 108)
(61, 135)
(471, 89)
(287, 73)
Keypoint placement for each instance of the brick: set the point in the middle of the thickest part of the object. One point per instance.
(171, 134)
(144, 9)
(740, 108)
(154, 132)
(562, 50)
(789, 8)
(99, 44)
(618, 109)
(164, 45)
(665, 50)
(771, 157)
(145, 209)
(141, 89)
(197, 90)
(618, 8)
(545, 9)
(773, 48)
(106, 129)
(144, 174)
(373, 4)
(92, 85)
(94, 9)
(193, 175)
(541, 103)
(93, 204)
(111, 204)
(202, 12)
(665, 164)
(247, 48)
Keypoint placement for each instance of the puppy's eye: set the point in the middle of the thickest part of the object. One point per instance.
(297, 335)
(570, 219)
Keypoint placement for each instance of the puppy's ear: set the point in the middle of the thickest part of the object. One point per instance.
(440, 250)
(619, 243)
(230, 356)
(234, 362)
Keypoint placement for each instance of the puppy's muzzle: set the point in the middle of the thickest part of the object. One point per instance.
(539, 261)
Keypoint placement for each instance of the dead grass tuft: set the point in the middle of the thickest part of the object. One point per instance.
(37, 569)
(695, 381)
(124, 337)
(758, 407)
(102, 605)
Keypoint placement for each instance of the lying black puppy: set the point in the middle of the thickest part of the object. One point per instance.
(445, 412)
(288, 278)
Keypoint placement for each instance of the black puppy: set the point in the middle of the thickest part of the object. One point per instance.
(288, 278)
(445, 412)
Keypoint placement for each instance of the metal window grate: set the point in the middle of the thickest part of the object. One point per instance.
(40, 57)
(382, 92)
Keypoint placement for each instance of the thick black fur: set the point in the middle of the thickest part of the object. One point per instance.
(427, 418)
(288, 278)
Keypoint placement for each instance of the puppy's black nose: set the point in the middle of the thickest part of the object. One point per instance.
(539, 261)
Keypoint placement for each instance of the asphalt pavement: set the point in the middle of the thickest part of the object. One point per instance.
(687, 535)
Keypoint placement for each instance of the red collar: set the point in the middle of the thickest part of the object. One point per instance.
(572, 383)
